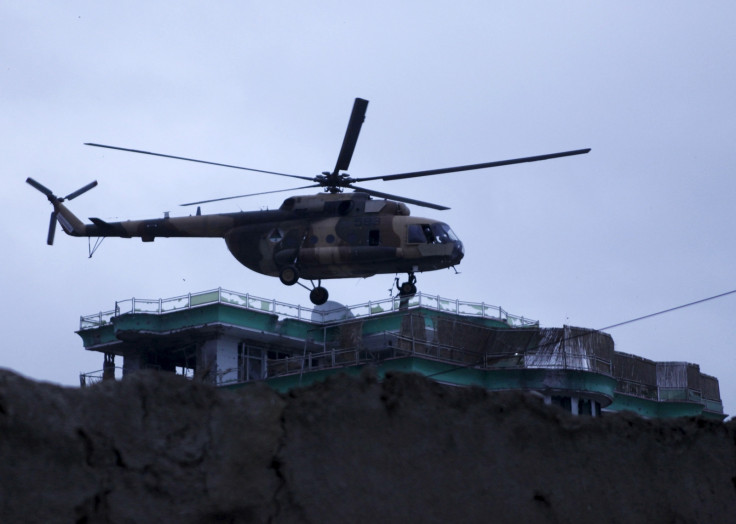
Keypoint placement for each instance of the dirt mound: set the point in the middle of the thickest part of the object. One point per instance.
(158, 447)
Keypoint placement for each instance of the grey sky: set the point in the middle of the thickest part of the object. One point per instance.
(642, 223)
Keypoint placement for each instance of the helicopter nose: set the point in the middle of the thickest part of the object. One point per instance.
(458, 252)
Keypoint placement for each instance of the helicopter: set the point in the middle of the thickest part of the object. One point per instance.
(316, 237)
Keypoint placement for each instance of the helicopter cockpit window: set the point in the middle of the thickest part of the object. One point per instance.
(437, 233)
(442, 233)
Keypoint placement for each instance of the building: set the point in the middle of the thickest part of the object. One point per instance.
(230, 339)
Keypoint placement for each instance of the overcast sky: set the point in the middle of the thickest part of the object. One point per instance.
(641, 224)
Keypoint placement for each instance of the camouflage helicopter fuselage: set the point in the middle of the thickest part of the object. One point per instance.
(321, 236)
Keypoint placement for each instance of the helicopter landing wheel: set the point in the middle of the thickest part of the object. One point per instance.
(289, 275)
(318, 296)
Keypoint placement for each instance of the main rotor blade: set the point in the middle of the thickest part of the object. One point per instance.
(476, 166)
(399, 198)
(199, 161)
(52, 229)
(43, 189)
(75, 194)
(351, 135)
(248, 195)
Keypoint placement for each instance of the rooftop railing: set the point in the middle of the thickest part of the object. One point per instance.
(247, 301)
(461, 357)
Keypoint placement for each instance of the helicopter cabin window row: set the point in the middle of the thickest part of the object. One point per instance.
(437, 233)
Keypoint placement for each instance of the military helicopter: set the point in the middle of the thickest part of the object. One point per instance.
(314, 237)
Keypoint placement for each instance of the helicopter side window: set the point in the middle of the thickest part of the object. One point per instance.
(415, 235)
(420, 234)
(275, 235)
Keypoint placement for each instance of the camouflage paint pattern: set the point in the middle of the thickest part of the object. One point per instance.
(323, 236)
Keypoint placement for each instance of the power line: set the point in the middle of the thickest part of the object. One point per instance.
(668, 310)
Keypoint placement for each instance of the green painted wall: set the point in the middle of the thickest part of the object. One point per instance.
(665, 409)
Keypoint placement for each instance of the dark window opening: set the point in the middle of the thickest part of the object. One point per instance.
(250, 363)
(374, 237)
(344, 207)
(564, 402)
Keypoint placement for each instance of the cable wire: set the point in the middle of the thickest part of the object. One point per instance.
(668, 310)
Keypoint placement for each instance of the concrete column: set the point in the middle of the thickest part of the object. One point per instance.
(217, 360)
(132, 361)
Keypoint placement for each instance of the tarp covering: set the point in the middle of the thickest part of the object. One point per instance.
(678, 375)
(572, 348)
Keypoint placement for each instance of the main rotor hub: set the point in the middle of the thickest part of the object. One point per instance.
(334, 182)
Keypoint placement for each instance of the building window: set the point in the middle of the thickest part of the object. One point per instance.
(250, 363)
(564, 402)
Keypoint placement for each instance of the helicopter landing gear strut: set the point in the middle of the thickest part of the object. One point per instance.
(289, 276)
(408, 288)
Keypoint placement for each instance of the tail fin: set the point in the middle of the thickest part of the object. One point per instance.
(68, 220)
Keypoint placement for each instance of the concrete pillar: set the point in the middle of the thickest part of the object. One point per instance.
(132, 361)
(217, 360)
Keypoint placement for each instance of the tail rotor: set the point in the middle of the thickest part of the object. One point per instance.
(52, 229)
(43, 189)
(57, 200)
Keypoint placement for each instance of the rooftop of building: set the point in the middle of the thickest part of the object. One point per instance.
(452, 341)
